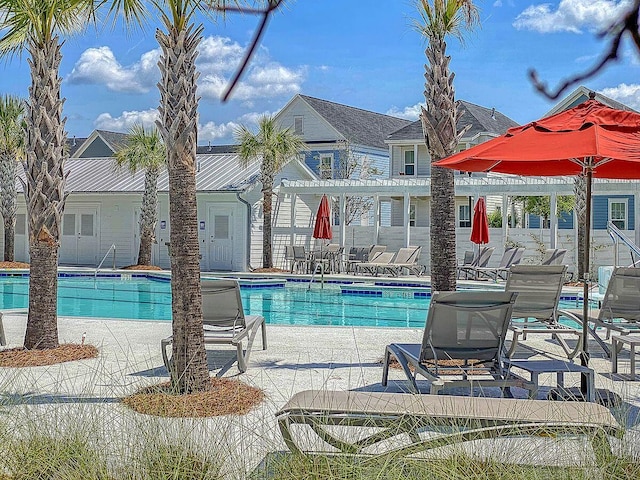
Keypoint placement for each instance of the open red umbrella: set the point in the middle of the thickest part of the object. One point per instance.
(480, 226)
(590, 139)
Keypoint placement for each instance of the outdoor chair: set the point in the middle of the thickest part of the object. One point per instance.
(374, 250)
(373, 266)
(536, 308)
(511, 256)
(300, 261)
(288, 257)
(553, 256)
(356, 255)
(406, 258)
(464, 336)
(620, 308)
(389, 426)
(479, 261)
(225, 322)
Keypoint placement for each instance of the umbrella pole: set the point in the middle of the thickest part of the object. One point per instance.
(584, 356)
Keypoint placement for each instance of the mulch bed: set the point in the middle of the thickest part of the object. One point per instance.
(21, 357)
(269, 270)
(14, 265)
(226, 397)
(141, 267)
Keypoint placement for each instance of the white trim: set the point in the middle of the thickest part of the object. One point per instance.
(623, 201)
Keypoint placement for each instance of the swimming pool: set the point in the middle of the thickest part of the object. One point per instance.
(142, 297)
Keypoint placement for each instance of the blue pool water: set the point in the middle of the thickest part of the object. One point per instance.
(143, 298)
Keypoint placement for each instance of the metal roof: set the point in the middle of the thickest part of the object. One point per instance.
(216, 173)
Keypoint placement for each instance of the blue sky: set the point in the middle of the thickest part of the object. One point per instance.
(363, 54)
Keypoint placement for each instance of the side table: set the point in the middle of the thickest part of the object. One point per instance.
(617, 341)
(559, 367)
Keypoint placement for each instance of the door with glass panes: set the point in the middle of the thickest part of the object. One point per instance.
(79, 239)
(220, 237)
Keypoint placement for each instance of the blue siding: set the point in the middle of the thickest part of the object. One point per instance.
(312, 159)
(601, 211)
(534, 221)
(565, 221)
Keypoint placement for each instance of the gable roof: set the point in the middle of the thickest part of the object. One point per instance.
(74, 143)
(580, 95)
(481, 119)
(356, 125)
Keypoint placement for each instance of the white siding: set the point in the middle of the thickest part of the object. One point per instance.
(315, 128)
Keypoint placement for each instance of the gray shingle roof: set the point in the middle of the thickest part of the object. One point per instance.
(74, 144)
(481, 119)
(357, 126)
(216, 173)
(115, 140)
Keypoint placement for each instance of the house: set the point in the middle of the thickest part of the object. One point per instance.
(103, 206)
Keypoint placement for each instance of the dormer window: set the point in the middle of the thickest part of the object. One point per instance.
(326, 166)
(298, 125)
(409, 162)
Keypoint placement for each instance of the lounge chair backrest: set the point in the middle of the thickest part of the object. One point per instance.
(538, 288)
(299, 253)
(511, 256)
(375, 249)
(288, 252)
(468, 257)
(622, 298)
(407, 255)
(222, 304)
(332, 247)
(467, 325)
(382, 258)
(361, 254)
(553, 256)
(483, 257)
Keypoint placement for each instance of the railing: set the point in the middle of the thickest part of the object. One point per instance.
(618, 237)
(112, 247)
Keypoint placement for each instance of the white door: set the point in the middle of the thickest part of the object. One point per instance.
(21, 250)
(220, 237)
(79, 240)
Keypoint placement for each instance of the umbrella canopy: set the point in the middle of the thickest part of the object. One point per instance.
(480, 226)
(322, 228)
(590, 138)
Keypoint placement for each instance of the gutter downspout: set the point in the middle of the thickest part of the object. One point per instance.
(248, 266)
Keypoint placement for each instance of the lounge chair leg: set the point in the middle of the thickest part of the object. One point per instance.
(385, 367)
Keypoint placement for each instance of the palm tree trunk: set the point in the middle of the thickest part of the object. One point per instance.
(267, 208)
(44, 191)
(439, 127)
(8, 185)
(148, 216)
(178, 126)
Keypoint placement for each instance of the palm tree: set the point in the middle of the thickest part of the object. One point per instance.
(178, 127)
(11, 151)
(275, 147)
(36, 26)
(439, 19)
(145, 150)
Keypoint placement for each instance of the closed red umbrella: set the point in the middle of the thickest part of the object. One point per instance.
(590, 138)
(480, 226)
(322, 228)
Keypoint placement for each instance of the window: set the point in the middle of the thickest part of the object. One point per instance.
(464, 216)
(412, 215)
(409, 162)
(326, 166)
(298, 126)
(618, 213)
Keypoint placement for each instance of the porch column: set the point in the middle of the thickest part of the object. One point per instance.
(376, 219)
(505, 219)
(343, 218)
(292, 233)
(407, 228)
(553, 217)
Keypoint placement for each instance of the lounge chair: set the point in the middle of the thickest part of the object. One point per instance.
(225, 322)
(467, 326)
(538, 288)
(620, 309)
(553, 256)
(480, 261)
(511, 256)
(355, 256)
(373, 266)
(406, 258)
(394, 425)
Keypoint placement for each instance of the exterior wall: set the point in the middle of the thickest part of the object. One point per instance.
(423, 161)
(96, 149)
(315, 128)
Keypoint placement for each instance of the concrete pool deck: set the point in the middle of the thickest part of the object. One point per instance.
(297, 358)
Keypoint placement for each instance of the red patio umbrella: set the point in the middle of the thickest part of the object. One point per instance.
(480, 226)
(322, 228)
(590, 138)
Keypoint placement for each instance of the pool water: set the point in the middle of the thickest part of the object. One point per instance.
(142, 298)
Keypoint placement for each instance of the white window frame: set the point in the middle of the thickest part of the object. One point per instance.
(298, 124)
(326, 173)
(461, 218)
(406, 164)
(412, 214)
(618, 221)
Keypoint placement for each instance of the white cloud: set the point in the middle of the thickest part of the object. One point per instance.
(410, 113)
(218, 59)
(627, 94)
(497, 3)
(124, 122)
(215, 131)
(99, 66)
(571, 15)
